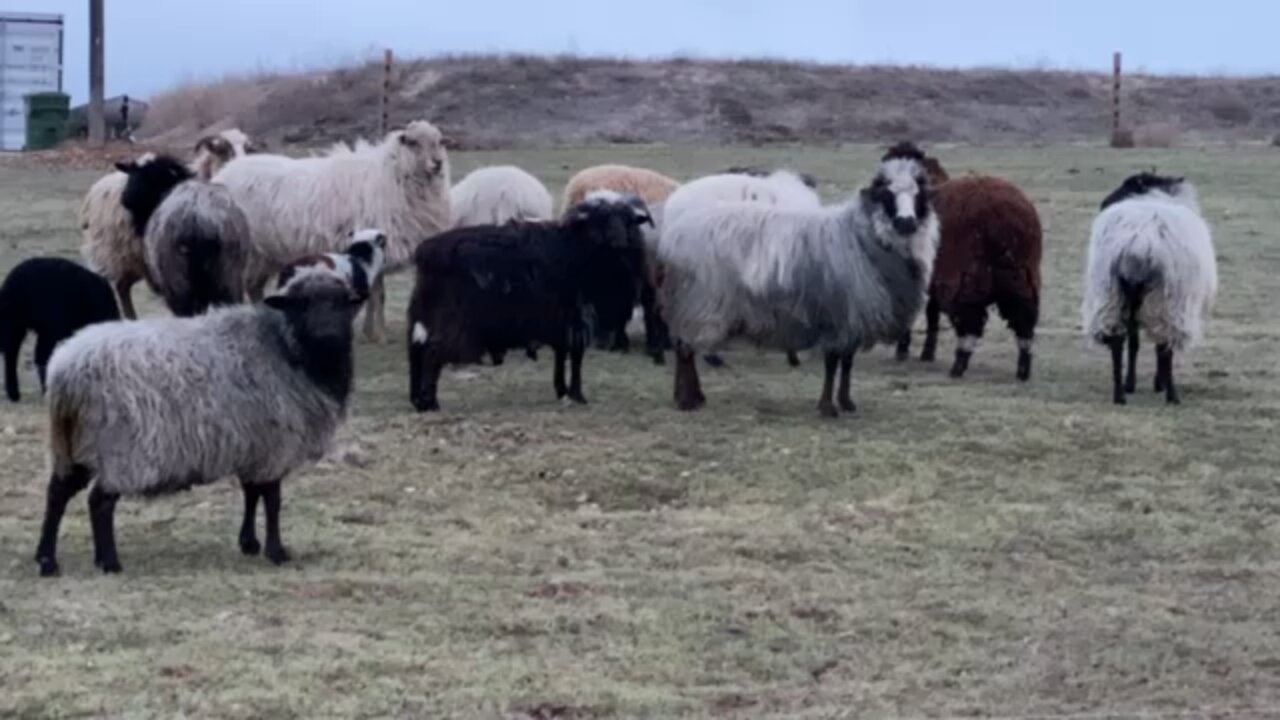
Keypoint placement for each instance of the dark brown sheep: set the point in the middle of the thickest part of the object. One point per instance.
(989, 254)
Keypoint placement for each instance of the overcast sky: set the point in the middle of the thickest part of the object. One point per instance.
(152, 44)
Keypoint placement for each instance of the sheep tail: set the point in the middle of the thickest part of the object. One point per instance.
(62, 433)
(204, 255)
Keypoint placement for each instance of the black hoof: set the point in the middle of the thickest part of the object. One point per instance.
(827, 410)
(927, 356)
(277, 555)
(108, 567)
(425, 405)
(48, 567)
(578, 398)
(793, 360)
(714, 361)
(658, 358)
(848, 405)
(1120, 400)
(690, 404)
(250, 546)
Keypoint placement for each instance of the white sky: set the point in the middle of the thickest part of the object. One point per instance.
(152, 44)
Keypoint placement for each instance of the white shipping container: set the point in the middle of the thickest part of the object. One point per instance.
(30, 62)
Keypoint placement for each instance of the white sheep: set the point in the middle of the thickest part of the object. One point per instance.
(1150, 265)
(305, 206)
(780, 188)
(839, 278)
(164, 404)
(111, 247)
(498, 194)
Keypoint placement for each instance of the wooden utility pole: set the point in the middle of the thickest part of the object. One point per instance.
(385, 121)
(97, 123)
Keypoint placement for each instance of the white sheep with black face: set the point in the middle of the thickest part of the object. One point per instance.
(1150, 265)
(838, 278)
(307, 206)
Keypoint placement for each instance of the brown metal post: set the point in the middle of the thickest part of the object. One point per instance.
(385, 123)
(97, 123)
(1115, 97)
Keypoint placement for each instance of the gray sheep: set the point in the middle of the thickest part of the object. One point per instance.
(161, 405)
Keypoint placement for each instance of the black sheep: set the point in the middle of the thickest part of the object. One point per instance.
(53, 298)
(495, 287)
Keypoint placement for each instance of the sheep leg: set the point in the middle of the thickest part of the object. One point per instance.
(249, 544)
(969, 323)
(1164, 368)
(124, 291)
(1131, 378)
(531, 352)
(932, 315)
(577, 348)
(424, 373)
(102, 511)
(1159, 386)
(375, 319)
(498, 356)
(688, 388)
(1116, 342)
(714, 360)
(656, 337)
(12, 344)
(793, 359)
(61, 489)
(846, 369)
(44, 349)
(826, 408)
(557, 374)
(274, 550)
(903, 351)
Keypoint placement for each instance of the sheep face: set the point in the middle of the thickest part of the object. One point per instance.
(319, 307)
(611, 221)
(899, 196)
(150, 180)
(422, 150)
(1144, 183)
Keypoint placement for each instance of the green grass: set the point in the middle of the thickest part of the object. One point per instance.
(956, 548)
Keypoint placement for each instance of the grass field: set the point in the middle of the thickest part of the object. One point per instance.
(954, 549)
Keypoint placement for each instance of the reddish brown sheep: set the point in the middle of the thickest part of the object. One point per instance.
(989, 254)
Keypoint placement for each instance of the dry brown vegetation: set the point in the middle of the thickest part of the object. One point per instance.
(973, 548)
(504, 101)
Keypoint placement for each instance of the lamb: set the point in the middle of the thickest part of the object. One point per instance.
(359, 265)
(840, 278)
(756, 171)
(111, 248)
(989, 254)
(653, 189)
(507, 286)
(195, 238)
(53, 298)
(300, 207)
(1150, 264)
(495, 195)
(163, 404)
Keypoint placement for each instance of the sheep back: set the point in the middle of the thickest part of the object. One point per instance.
(496, 195)
(1163, 247)
(991, 243)
(198, 249)
(165, 403)
(652, 187)
(779, 188)
(111, 247)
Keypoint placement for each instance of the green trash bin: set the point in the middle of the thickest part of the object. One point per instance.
(47, 115)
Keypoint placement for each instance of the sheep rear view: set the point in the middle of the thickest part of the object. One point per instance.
(988, 254)
(490, 287)
(1150, 264)
(163, 404)
(840, 278)
(53, 298)
(498, 194)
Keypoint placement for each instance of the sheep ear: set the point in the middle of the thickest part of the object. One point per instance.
(126, 167)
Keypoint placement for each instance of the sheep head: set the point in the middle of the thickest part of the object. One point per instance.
(1145, 183)
(150, 179)
(421, 150)
(899, 194)
(610, 220)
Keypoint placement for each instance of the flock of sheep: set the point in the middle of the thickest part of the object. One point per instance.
(257, 389)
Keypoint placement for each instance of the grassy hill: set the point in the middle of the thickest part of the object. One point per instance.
(518, 101)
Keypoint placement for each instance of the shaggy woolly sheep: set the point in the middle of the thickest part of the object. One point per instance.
(164, 404)
(111, 248)
(53, 298)
(839, 278)
(757, 171)
(498, 194)
(195, 238)
(300, 207)
(489, 287)
(1150, 264)
(988, 254)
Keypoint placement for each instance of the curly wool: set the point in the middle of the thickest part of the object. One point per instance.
(1159, 242)
(497, 195)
